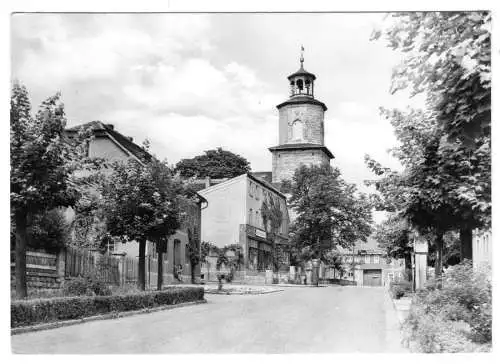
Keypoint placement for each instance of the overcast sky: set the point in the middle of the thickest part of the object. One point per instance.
(190, 82)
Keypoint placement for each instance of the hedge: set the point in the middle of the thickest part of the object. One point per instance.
(31, 312)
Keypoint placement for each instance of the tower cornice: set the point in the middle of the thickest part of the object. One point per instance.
(297, 100)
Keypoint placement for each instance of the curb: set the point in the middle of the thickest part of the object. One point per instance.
(108, 316)
(243, 293)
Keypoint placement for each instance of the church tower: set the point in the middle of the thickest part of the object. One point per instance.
(301, 128)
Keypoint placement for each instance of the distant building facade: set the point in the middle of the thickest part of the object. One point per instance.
(234, 216)
(369, 266)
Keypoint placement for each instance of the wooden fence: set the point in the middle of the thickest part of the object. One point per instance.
(50, 270)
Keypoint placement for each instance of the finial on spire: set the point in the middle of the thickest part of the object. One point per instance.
(301, 55)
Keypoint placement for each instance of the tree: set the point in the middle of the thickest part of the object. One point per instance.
(140, 203)
(448, 58)
(216, 163)
(42, 167)
(329, 211)
(393, 236)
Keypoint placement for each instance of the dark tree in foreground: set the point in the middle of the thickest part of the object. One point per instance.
(216, 163)
(140, 203)
(329, 211)
(42, 168)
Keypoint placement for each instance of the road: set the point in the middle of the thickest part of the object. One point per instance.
(296, 320)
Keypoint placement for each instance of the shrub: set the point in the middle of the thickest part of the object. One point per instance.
(86, 286)
(30, 312)
(400, 289)
(455, 318)
(77, 287)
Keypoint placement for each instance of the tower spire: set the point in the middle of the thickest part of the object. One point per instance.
(301, 56)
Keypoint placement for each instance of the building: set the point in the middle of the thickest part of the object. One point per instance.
(301, 128)
(481, 248)
(369, 265)
(234, 216)
(114, 146)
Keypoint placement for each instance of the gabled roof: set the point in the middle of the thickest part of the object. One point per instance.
(107, 130)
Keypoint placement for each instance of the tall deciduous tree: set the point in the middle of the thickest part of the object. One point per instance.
(216, 163)
(42, 167)
(140, 203)
(329, 211)
(447, 56)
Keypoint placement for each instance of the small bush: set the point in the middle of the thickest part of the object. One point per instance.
(455, 318)
(400, 289)
(86, 286)
(30, 312)
(79, 286)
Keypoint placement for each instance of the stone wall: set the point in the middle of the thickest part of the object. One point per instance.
(311, 117)
(286, 162)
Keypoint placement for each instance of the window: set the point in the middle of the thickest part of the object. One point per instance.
(250, 217)
(186, 251)
(257, 192)
(250, 189)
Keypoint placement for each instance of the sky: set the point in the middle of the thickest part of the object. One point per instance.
(193, 82)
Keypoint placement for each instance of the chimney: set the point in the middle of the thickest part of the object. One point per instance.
(111, 126)
(130, 138)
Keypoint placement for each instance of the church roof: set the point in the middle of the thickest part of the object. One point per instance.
(302, 72)
(294, 100)
(302, 146)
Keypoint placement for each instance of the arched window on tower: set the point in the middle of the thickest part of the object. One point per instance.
(297, 130)
(292, 88)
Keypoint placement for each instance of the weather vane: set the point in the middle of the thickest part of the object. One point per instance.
(301, 55)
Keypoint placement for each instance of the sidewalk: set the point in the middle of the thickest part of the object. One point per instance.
(402, 307)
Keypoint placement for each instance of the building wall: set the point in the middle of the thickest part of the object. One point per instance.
(225, 212)
(104, 147)
(312, 118)
(286, 162)
(481, 248)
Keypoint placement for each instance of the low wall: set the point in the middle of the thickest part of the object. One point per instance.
(41, 271)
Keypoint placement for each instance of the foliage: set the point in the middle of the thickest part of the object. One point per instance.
(31, 312)
(272, 216)
(445, 149)
(42, 164)
(89, 226)
(85, 286)
(50, 231)
(392, 235)
(329, 211)
(140, 203)
(400, 289)
(455, 318)
(217, 163)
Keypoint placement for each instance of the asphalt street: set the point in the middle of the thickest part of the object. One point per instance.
(296, 320)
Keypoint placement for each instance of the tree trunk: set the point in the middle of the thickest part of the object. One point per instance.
(141, 283)
(465, 243)
(21, 244)
(160, 270)
(193, 278)
(438, 267)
